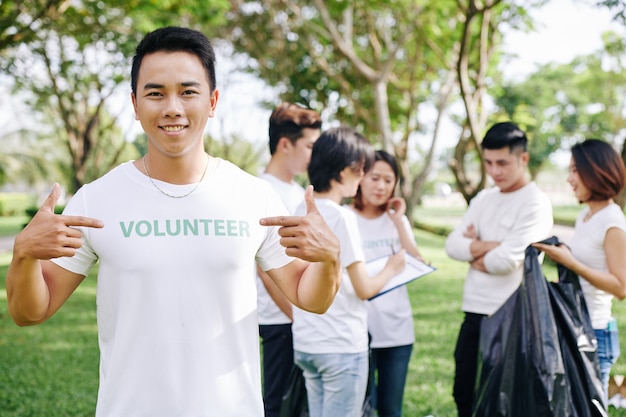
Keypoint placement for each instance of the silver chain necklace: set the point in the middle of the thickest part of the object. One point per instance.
(171, 195)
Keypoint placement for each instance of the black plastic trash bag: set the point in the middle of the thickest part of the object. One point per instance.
(537, 353)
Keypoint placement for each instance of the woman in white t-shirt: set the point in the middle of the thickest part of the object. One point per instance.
(332, 348)
(597, 250)
(385, 229)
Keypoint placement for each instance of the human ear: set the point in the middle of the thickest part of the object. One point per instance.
(525, 156)
(133, 99)
(283, 144)
(214, 97)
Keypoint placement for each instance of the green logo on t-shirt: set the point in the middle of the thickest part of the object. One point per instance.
(186, 227)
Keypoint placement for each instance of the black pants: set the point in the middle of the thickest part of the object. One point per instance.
(465, 358)
(277, 363)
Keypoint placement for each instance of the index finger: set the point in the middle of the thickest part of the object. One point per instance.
(82, 221)
(280, 221)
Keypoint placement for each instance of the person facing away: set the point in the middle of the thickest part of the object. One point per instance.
(500, 222)
(597, 249)
(332, 348)
(384, 230)
(176, 302)
(292, 132)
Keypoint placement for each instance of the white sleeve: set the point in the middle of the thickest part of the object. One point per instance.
(533, 224)
(458, 246)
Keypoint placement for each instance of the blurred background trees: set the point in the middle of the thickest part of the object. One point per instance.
(378, 65)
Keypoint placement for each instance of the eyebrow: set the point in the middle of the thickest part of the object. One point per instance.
(148, 86)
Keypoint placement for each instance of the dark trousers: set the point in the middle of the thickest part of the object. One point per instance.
(388, 370)
(277, 344)
(466, 358)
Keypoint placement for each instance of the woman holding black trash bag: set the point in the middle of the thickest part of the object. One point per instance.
(596, 251)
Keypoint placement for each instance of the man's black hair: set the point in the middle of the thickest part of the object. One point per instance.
(505, 134)
(175, 39)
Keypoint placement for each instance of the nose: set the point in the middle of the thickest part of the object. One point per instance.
(570, 178)
(172, 107)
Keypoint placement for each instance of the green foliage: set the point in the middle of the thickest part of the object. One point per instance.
(67, 59)
(28, 156)
(617, 7)
(20, 19)
(11, 225)
(15, 203)
(240, 152)
(560, 104)
(439, 230)
(292, 47)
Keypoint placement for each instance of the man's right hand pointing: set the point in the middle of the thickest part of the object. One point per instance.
(50, 235)
(306, 237)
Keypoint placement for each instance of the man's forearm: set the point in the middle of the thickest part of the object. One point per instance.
(27, 293)
(479, 248)
(318, 286)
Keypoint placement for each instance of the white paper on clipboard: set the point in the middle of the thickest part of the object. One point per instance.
(414, 269)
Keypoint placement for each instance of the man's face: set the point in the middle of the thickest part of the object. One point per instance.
(299, 153)
(173, 101)
(506, 169)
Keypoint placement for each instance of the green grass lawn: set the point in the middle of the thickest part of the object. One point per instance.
(51, 370)
(439, 216)
(10, 225)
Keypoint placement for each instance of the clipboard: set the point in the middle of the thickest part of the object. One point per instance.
(413, 270)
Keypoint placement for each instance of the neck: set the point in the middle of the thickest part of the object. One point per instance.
(518, 185)
(596, 206)
(333, 195)
(178, 171)
(369, 211)
(278, 170)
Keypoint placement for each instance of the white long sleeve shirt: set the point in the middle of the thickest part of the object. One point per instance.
(515, 219)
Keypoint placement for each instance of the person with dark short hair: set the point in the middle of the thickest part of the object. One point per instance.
(597, 250)
(175, 235)
(293, 130)
(498, 225)
(385, 228)
(332, 348)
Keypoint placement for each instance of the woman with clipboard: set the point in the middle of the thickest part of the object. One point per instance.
(385, 229)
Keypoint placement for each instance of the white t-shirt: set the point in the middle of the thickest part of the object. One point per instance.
(587, 245)
(343, 328)
(292, 195)
(515, 219)
(389, 316)
(176, 302)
